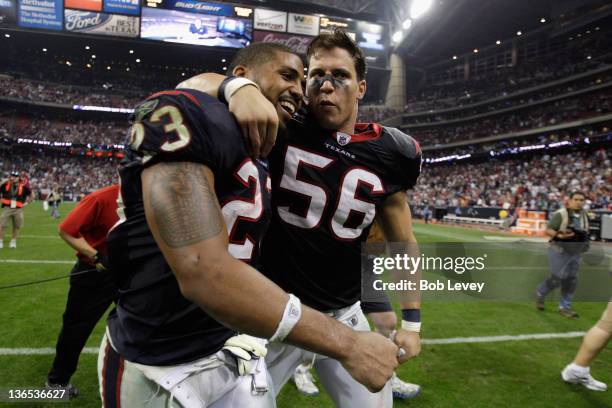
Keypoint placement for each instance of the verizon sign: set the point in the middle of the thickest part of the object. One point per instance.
(270, 20)
(297, 43)
(303, 24)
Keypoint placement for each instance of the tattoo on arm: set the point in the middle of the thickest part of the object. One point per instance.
(184, 205)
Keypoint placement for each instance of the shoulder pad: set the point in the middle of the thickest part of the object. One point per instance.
(406, 145)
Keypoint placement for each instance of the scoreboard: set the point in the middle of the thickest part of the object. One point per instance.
(191, 22)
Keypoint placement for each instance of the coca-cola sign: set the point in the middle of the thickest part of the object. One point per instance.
(297, 43)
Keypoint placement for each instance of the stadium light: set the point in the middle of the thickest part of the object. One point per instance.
(137, 59)
(93, 56)
(407, 24)
(475, 50)
(542, 20)
(397, 36)
(88, 65)
(7, 35)
(225, 68)
(588, 57)
(131, 51)
(419, 7)
(519, 33)
(454, 57)
(223, 60)
(44, 50)
(497, 42)
(68, 63)
(108, 67)
(182, 74)
(127, 69)
(87, 47)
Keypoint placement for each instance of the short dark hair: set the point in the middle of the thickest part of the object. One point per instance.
(257, 54)
(339, 39)
(574, 193)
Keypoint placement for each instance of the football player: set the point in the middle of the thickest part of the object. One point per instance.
(193, 206)
(330, 178)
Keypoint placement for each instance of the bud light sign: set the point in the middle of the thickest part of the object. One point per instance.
(101, 23)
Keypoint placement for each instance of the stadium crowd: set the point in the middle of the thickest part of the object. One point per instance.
(75, 175)
(575, 57)
(39, 127)
(574, 136)
(538, 182)
(557, 112)
(28, 90)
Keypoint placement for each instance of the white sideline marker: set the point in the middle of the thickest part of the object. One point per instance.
(453, 340)
(35, 261)
(493, 339)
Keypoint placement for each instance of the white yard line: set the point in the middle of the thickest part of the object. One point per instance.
(41, 236)
(493, 339)
(36, 261)
(453, 340)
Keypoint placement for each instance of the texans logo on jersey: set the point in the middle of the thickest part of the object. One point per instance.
(343, 138)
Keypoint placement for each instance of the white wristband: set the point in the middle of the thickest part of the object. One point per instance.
(235, 84)
(292, 314)
(411, 326)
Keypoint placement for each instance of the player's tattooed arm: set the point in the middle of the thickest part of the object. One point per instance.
(184, 204)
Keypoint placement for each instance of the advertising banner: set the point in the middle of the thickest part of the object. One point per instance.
(45, 14)
(101, 23)
(93, 5)
(122, 6)
(328, 24)
(374, 40)
(198, 29)
(8, 12)
(303, 24)
(193, 6)
(297, 43)
(270, 20)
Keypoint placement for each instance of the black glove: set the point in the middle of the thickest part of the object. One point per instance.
(100, 261)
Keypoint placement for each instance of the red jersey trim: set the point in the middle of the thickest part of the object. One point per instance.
(365, 132)
(184, 93)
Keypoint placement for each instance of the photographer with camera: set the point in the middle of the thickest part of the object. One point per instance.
(568, 229)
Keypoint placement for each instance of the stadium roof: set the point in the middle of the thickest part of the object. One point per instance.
(454, 27)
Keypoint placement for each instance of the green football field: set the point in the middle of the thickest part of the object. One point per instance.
(524, 373)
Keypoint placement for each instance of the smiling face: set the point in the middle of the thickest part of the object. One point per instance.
(333, 89)
(280, 81)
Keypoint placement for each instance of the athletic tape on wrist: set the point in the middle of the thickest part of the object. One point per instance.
(291, 315)
(231, 85)
(411, 320)
(411, 326)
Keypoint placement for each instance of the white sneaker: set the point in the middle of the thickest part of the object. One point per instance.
(402, 389)
(13, 244)
(305, 383)
(574, 376)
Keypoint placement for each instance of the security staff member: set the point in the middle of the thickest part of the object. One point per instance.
(568, 229)
(14, 196)
(92, 285)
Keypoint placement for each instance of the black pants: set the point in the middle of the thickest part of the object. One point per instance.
(89, 297)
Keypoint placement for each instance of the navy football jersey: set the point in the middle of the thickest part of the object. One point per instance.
(326, 186)
(153, 323)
